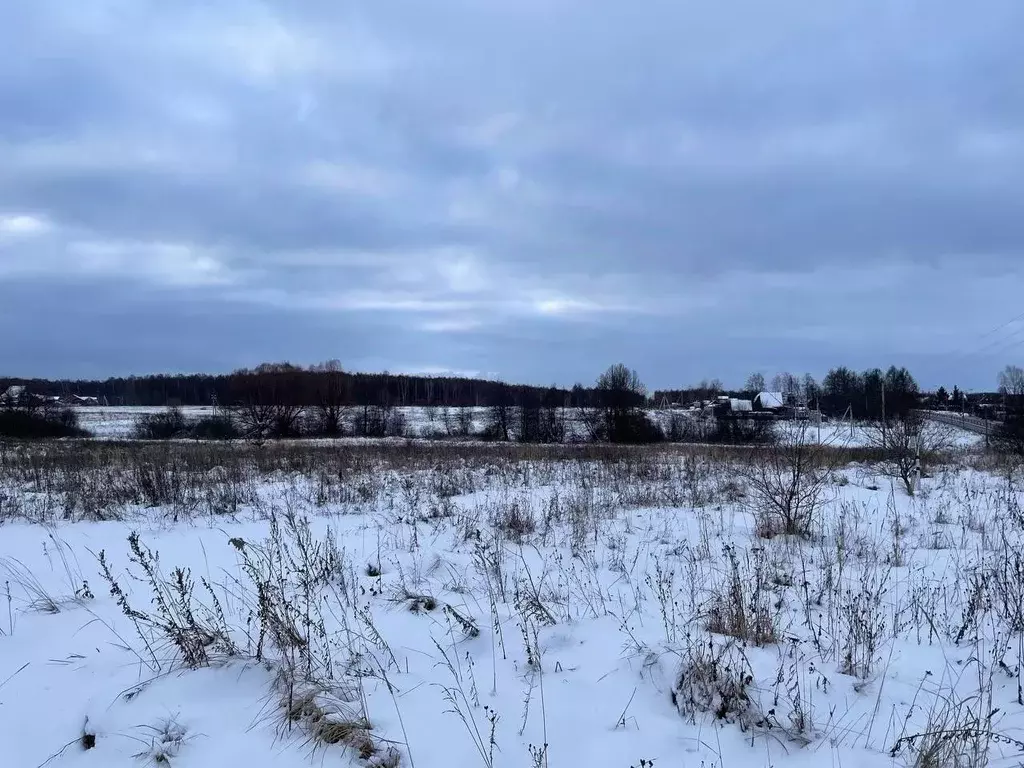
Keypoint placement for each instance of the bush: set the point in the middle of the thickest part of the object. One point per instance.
(742, 606)
(787, 485)
(493, 433)
(324, 422)
(397, 425)
(161, 426)
(716, 678)
(22, 424)
(214, 428)
(378, 421)
(679, 428)
(628, 427)
(724, 430)
(742, 432)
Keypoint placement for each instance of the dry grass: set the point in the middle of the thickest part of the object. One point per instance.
(742, 605)
(813, 603)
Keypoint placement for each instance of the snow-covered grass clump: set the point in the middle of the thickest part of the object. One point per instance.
(447, 605)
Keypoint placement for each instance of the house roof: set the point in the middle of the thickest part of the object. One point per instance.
(771, 400)
(15, 392)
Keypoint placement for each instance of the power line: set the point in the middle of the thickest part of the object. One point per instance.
(1015, 341)
(985, 335)
(999, 344)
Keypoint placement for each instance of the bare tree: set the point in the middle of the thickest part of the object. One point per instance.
(377, 420)
(255, 420)
(1010, 438)
(542, 420)
(755, 383)
(327, 366)
(500, 414)
(458, 420)
(1011, 380)
(591, 421)
(620, 395)
(331, 398)
(552, 423)
(265, 408)
(906, 443)
(786, 383)
(707, 389)
(787, 484)
(811, 390)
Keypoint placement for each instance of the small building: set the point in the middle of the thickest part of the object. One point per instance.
(19, 396)
(13, 396)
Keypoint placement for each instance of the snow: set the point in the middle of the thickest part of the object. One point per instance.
(13, 394)
(117, 422)
(865, 434)
(585, 618)
(770, 400)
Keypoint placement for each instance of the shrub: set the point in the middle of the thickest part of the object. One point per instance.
(787, 485)
(397, 425)
(515, 519)
(23, 424)
(742, 605)
(716, 678)
(161, 426)
(742, 432)
(907, 442)
(679, 428)
(214, 428)
(379, 421)
(630, 427)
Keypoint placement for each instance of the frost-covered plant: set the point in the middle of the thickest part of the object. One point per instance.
(716, 678)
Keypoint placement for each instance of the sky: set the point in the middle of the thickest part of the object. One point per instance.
(522, 189)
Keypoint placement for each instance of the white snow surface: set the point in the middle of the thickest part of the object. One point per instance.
(117, 422)
(584, 623)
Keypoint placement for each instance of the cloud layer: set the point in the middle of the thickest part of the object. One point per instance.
(528, 189)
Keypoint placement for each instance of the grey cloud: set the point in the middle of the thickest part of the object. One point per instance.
(526, 188)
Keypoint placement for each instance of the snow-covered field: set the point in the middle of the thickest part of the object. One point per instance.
(117, 422)
(861, 434)
(202, 606)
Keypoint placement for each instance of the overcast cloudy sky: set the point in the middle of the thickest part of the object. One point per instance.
(524, 188)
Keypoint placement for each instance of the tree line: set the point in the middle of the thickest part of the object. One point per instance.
(841, 392)
(866, 395)
(296, 385)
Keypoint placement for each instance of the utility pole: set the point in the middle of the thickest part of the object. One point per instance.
(917, 462)
(885, 439)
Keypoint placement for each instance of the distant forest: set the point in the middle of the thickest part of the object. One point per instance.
(294, 385)
(841, 391)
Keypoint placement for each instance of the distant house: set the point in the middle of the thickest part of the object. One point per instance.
(18, 395)
(770, 401)
(15, 395)
(84, 400)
